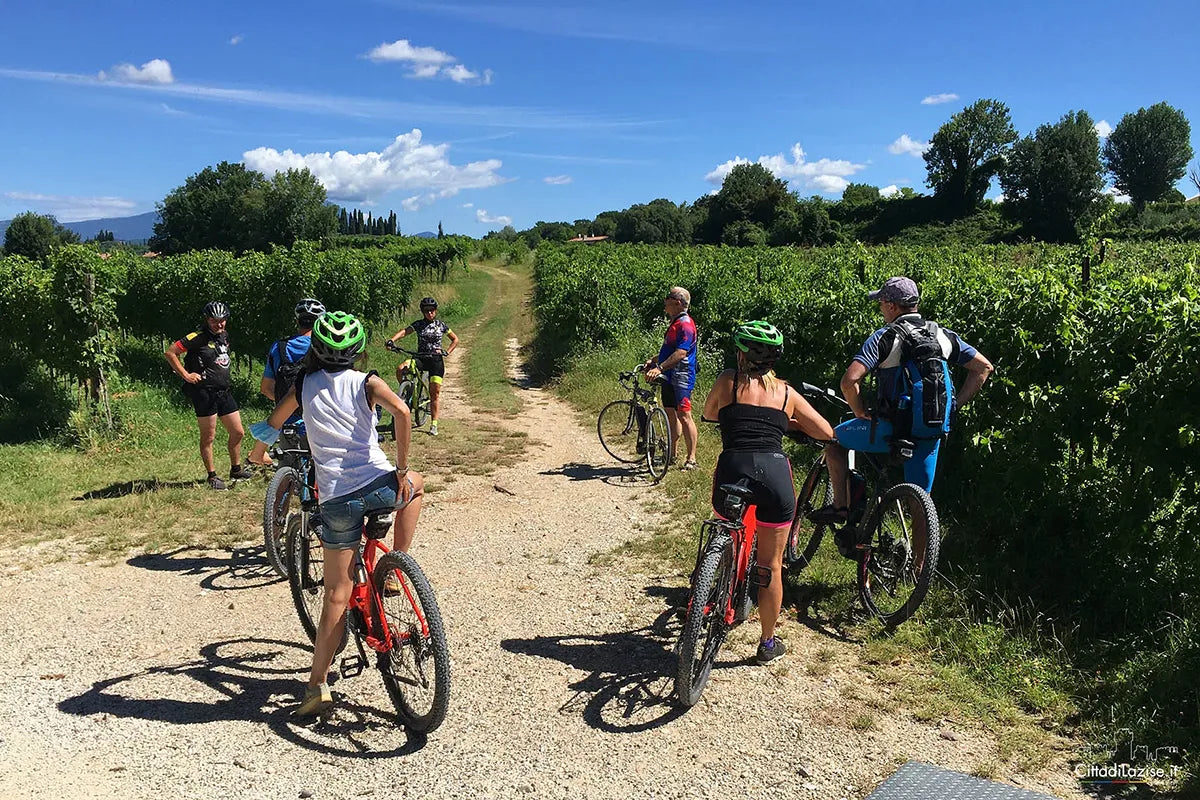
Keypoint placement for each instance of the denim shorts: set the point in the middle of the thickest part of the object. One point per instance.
(342, 517)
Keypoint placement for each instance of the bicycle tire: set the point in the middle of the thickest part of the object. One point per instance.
(284, 485)
(306, 577)
(816, 492)
(420, 405)
(705, 617)
(418, 651)
(882, 561)
(658, 444)
(617, 428)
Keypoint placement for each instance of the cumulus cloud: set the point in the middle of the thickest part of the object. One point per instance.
(236, 40)
(826, 175)
(406, 164)
(157, 70)
(938, 99)
(906, 144)
(1103, 129)
(557, 180)
(1116, 195)
(72, 208)
(427, 62)
(998, 198)
(482, 216)
(468, 205)
(889, 191)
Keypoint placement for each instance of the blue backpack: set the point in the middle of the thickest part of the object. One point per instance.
(920, 400)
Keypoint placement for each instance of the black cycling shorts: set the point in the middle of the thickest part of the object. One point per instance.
(434, 365)
(208, 401)
(769, 476)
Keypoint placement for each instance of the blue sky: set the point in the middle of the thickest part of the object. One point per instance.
(475, 114)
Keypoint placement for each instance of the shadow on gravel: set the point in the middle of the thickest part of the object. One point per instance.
(139, 486)
(629, 688)
(614, 476)
(246, 680)
(823, 609)
(246, 567)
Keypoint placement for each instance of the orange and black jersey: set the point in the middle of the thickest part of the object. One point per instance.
(207, 354)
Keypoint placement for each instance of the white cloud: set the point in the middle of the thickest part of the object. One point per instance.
(889, 191)
(1103, 129)
(826, 175)
(70, 208)
(236, 40)
(937, 99)
(906, 144)
(483, 216)
(406, 163)
(1116, 195)
(519, 117)
(468, 205)
(998, 198)
(157, 70)
(557, 180)
(427, 62)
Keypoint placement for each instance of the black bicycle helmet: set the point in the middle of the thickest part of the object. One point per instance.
(307, 311)
(428, 303)
(216, 310)
(761, 342)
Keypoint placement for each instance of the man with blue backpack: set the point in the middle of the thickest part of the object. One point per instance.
(910, 357)
(285, 361)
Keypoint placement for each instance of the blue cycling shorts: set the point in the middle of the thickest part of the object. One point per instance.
(872, 436)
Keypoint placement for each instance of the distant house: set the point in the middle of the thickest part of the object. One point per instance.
(588, 239)
(150, 254)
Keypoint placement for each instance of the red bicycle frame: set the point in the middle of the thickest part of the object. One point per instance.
(379, 636)
(743, 545)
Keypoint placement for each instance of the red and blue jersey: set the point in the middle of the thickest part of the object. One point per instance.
(680, 335)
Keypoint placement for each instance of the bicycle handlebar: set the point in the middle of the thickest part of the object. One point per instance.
(395, 348)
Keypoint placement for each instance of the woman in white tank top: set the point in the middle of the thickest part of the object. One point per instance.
(354, 477)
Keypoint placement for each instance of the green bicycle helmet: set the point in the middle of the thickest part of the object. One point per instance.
(338, 339)
(760, 341)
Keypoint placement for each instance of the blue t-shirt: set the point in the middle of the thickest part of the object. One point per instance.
(297, 349)
(880, 353)
(680, 335)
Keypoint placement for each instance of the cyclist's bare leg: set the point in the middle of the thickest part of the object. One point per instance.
(435, 392)
(690, 433)
(837, 458)
(771, 539)
(208, 431)
(258, 454)
(233, 425)
(339, 585)
(676, 429)
(406, 518)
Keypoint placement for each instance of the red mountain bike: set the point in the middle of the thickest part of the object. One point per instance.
(392, 612)
(724, 588)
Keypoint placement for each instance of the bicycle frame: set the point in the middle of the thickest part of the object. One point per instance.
(742, 528)
(369, 604)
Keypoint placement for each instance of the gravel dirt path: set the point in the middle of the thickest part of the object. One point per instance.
(172, 675)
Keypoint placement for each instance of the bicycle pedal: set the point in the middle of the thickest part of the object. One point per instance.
(760, 576)
(352, 665)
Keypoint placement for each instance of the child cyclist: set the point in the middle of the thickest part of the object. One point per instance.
(354, 477)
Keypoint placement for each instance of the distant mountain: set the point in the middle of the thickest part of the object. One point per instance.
(125, 229)
(425, 235)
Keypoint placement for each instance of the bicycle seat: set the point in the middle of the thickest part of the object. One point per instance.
(378, 524)
(737, 490)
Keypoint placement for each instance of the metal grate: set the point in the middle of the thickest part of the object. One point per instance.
(918, 781)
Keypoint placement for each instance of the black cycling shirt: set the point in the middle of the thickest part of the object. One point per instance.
(207, 354)
(429, 336)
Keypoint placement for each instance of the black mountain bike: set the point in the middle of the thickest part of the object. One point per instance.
(892, 531)
(284, 492)
(636, 429)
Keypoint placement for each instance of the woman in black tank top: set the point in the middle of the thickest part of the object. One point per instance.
(755, 409)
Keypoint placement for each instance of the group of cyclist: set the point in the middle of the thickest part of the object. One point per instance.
(311, 378)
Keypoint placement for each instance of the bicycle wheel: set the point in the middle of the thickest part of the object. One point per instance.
(658, 444)
(420, 404)
(895, 569)
(386, 430)
(416, 671)
(704, 626)
(816, 492)
(618, 431)
(306, 574)
(283, 488)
